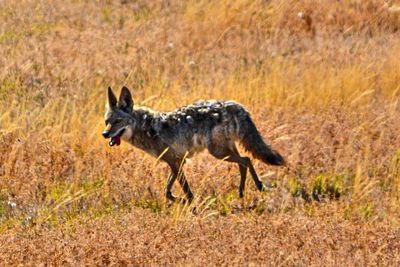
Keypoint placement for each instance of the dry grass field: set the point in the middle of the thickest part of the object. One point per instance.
(321, 78)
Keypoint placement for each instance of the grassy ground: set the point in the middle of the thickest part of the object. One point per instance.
(321, 80)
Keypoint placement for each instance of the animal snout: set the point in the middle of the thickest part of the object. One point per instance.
(106, 134)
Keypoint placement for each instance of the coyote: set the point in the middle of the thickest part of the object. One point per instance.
(179, 134)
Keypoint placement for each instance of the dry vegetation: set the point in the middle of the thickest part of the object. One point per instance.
(322, 79)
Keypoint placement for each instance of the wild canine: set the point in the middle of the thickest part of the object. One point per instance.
(179, 134)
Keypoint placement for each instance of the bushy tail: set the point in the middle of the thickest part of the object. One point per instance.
(253, 142)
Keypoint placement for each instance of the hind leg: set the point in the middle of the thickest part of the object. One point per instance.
(231, 154)
(242, 170)
(246, 162)
(243, 174)
(260, 186)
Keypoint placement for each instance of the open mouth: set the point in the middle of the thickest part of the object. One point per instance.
(116, 139)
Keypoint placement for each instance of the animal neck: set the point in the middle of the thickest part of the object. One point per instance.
(145, 131)
(144, 121)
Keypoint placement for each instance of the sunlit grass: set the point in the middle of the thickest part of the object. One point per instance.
(74, 123)
(322, 86)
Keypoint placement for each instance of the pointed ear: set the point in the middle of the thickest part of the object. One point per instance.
(112, 100)
(125, 99)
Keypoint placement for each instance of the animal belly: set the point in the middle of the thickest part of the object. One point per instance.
(199, 143)
(187, 148)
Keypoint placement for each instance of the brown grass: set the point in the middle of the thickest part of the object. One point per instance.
(320, 78)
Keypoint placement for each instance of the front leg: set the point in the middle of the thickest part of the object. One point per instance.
(185, 186)
(177, 173)
(170, 183)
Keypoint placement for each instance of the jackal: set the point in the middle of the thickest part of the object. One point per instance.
(179, 134)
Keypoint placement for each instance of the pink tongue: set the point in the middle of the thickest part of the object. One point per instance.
(116, 140)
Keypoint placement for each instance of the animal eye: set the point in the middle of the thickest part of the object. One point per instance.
(107, 122)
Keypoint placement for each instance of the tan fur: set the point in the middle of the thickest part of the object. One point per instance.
(127, 135)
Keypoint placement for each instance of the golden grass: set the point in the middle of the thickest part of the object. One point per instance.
(322, 85)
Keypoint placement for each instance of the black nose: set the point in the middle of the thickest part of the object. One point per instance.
(105, 134)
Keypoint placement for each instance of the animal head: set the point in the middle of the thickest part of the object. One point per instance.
(118, 116)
